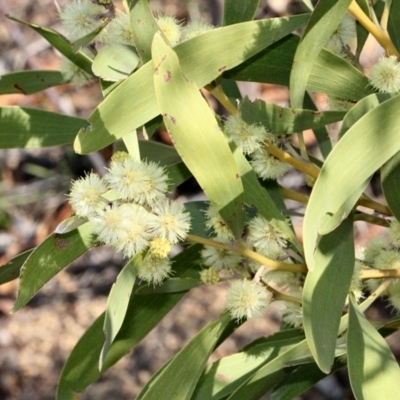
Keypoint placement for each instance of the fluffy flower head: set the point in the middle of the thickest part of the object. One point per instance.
(247, 137)
(385, 75)
(171, 221)
(214, 221)
(135, 230)
(80, 17)
(73, 74)
(267, 166)
(141, 182)
(266, 238)
(154, 270)
(86, 195)
(119, 30)
(195, 29)
(344, 35)
(171, 28)
(219, 259)
(247, 299)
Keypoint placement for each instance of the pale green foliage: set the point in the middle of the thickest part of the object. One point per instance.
(242, 233)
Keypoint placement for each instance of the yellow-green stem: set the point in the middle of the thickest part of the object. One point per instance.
(372, 219)
(379, 273)
(282, 297)
(272, 265)
(220, 95)
(308, 169)
(294, 195)
(380, 35)
(369, 203)
(302, 146)
(312, 171)
(385, 15)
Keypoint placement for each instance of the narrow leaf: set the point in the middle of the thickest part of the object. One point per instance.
(373, 370)
(178, 380)
(273, 65)
(299, 380)
(62, 44)
(328, 285)
(158, 152)
(323, 22)
(69, 224)
(255, 195)
(49, 258)
(143, 26)
(31, 128)
(236, 11)
(390, 180)
(11, 270)
(185, 110)
(116, 62)
(225, 375)
(222, 49)
(283, 120)
(366, 146)
(85, 40)
(29, 82)
(271, 373)
(117, 304)
(171, 285)
(361, 108)
(394, 23)
(143, 314)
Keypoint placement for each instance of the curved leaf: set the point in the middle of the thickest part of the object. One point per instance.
(11, 270)
(366, 146)
(236, 11)
(271, 373)
(373, 370)
(55, 253)
(361, 108)
(178, 380)
(116, 62)
(117, 303)
(195, 132)
(62, 44)
(394, 23)
(225, 375)
(29, 82)
(327, 287)
(299, 380)
(390, 180)
(171, 285)
(323, 22)
(283, 120)
(143, 314)
(31, 128)
(143, 26)
(202, 58)
(273, 65)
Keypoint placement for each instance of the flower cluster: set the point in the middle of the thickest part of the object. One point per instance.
(344, 36)
(82, 17)
(247, 298)
(140, 218)
(250, 140)
(384, 253)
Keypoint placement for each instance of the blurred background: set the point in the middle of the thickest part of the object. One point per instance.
(36, 341)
